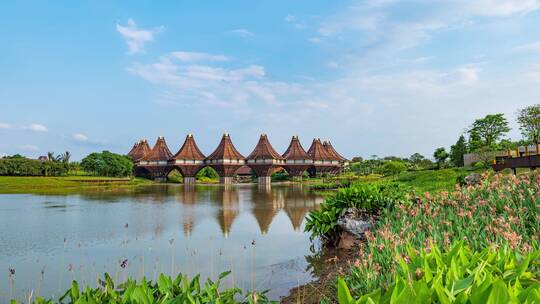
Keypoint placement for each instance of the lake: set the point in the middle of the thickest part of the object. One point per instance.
(256, 232)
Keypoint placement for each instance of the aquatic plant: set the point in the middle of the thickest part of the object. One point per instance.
(164, 290)
(458, 275)
(369, 198)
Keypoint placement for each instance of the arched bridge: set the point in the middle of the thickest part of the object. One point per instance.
(158, 162)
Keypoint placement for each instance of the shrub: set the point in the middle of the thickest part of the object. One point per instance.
(21, 166)
(393, 167)
(164, 290)
(367, 197)
(460, 275)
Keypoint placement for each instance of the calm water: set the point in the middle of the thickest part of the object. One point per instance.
(256, 233)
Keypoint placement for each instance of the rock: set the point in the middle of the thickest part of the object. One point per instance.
(473, 179)
(351, 222)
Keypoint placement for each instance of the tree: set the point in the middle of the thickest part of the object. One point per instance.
(440, 155)
(485, 132)
(457, 152)
(357, 159)
(416, 160)
(107, 164)
(529, 123)
(393, 167)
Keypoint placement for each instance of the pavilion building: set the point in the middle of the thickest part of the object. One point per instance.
(188, 160)
(297, 161)
(323, 162)
(156, 162)
(139, 150)
(225, 160)
(342, 161)
(264, 160)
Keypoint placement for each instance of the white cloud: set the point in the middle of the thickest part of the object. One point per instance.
(534, 46)
(290, 18)
(500, 7)
(242, 32)
(80, 137)
(195, 56)
(29, 148)
(35, 127)
(5, 125)
(468, 76)
(136, 38)
(332, 64)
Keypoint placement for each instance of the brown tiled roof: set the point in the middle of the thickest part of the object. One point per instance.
(264, 150)
(159, 152)
(317, 151)
(225, 150)
(130, 153)
(295, 151)
(189, 150)
(141, 150)
(330, 149)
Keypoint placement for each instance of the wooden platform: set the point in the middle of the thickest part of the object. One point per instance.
(530, 161)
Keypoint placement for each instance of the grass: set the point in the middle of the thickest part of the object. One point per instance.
(65, 184)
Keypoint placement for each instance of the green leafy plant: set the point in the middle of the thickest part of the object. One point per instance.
(366, 197)
(165, 290)
(459, 275)
(502, 211)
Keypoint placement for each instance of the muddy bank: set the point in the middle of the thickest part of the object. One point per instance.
(326, 265)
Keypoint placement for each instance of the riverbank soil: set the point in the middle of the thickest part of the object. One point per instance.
(327, 265)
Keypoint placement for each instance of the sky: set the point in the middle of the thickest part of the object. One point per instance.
(376, 77)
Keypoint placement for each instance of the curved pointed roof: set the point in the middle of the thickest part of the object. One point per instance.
(159, 152)
(189, 150)
(141, 150)
(295, 151)
(135, 146)
(330, 149)
(264, 150)
(317, 151)
(225, 150)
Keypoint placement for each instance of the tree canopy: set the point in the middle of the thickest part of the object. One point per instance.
(457, 152)
(487, 131)
(440, 155)
(107, 164)
(529, 122)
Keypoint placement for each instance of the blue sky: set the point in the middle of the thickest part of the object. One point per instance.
(383, 77)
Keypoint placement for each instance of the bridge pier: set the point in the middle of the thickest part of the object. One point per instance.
(189, 180)
(265, 180)
(226, 180)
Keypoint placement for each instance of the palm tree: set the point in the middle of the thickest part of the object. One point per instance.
(50, 156)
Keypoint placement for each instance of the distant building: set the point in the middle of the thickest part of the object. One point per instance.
(471, 158)
(43, 158)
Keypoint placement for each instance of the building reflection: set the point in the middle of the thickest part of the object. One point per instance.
(224, 203)
(266, 202)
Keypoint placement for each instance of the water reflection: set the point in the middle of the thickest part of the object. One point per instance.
(193, 229)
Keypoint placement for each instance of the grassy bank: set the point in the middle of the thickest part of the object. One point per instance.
(419, 181)
(65, 184)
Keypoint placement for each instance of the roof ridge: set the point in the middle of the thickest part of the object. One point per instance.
(264, 150)
(225, 150)
(189, 150)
